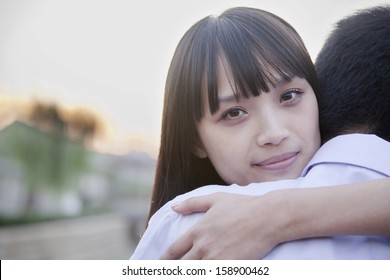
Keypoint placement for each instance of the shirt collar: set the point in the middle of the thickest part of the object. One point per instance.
(364, 150)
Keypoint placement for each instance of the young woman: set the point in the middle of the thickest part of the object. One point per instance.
(250, 55)
(240, 107)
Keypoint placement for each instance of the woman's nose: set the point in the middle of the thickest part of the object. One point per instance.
(272, 131)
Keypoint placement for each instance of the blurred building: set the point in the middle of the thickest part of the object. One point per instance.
(97, 212)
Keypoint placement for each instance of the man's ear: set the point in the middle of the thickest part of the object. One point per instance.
(199, 151)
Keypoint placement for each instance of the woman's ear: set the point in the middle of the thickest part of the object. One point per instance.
(199, 151)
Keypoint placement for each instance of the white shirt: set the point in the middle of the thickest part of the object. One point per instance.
(342, 160)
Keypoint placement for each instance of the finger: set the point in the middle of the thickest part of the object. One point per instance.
(179, 248)
(194, 204)
(191, 255)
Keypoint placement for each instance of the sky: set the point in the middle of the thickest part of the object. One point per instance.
(112, 56)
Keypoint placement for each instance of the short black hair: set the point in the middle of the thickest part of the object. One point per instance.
(353, 70)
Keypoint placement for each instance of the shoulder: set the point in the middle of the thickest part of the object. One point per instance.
(358, 151)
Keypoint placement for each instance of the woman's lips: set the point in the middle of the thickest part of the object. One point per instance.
(278, 162)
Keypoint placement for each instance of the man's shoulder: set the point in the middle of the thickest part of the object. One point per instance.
(365, 151)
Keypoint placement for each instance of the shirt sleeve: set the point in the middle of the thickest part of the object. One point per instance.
(166, 225)
(163, 229)
(153, 241)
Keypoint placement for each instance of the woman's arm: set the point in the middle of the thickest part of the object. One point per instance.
(249, 227)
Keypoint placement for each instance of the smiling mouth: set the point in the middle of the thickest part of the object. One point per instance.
(278, 162)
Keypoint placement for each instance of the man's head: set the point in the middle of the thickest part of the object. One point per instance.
(354, 75)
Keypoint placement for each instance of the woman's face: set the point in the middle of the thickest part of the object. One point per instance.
(265, 138)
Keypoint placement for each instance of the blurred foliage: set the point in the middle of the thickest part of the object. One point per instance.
(46, 158)
(44, 152)
(32, 217)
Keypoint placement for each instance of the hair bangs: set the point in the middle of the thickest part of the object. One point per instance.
(257, 58)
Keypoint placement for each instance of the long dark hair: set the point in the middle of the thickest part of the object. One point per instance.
(258, 47)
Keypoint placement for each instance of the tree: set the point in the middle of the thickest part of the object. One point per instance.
(46, 154)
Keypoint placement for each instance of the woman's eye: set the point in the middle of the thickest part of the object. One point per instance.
(233, 114)
(291, 96)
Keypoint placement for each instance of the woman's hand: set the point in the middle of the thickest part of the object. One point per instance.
(234, 227)
(248, 227)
